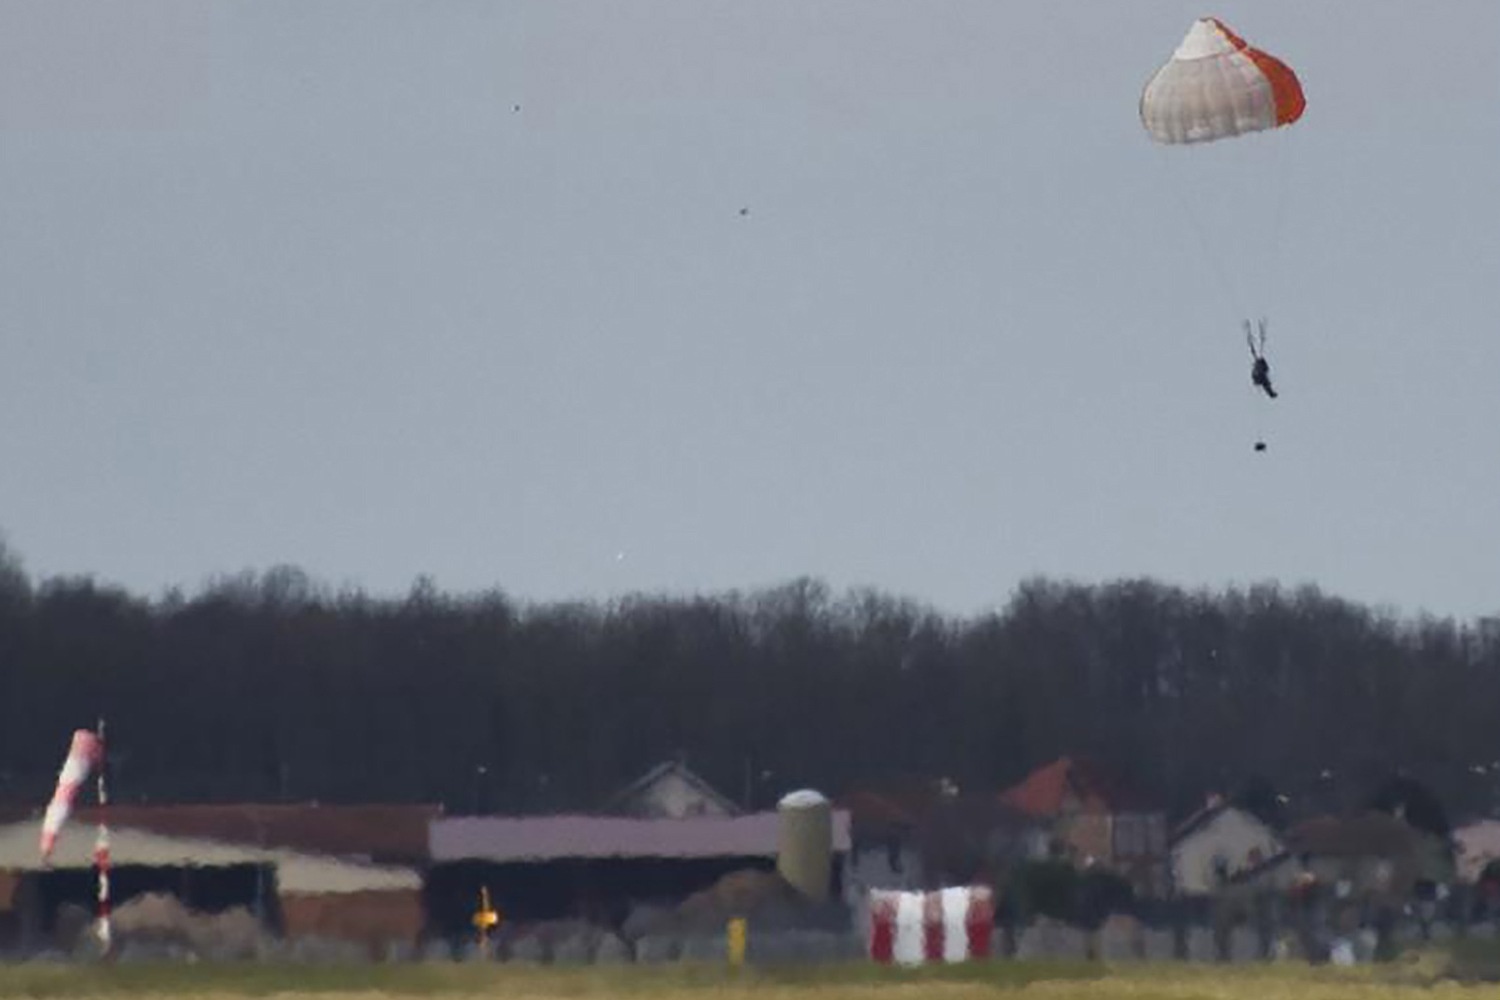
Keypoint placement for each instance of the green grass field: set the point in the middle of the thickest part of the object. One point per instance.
(847, 981)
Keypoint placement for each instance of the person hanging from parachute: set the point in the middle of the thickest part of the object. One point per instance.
(1217, 87)
(1260, 368)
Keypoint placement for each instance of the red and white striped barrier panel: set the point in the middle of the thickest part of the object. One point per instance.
(947, 925)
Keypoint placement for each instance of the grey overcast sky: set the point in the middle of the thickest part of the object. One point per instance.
(294, 281)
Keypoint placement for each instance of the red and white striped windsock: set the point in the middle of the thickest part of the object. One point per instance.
(85, 753)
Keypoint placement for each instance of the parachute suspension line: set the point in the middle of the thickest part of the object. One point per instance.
(1279, 166)
(1280, 203)
(1206, 251)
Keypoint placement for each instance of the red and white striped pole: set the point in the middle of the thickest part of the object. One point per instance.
(101, 851)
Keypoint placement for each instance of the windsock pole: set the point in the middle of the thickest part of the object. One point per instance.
(101, 851)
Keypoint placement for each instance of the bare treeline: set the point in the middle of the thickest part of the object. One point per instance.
(269, 687)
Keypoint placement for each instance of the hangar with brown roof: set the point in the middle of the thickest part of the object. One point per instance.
(593, 868)
(301, 869)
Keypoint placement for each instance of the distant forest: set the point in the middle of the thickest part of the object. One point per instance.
(270, 687)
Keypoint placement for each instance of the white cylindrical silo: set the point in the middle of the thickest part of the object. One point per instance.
(804, 854)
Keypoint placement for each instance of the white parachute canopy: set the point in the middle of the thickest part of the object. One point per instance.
(1223, 115)
(1216, 86)
(84, 754)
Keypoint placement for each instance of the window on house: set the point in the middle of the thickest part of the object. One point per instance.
(1156, 829)
(1127, 836)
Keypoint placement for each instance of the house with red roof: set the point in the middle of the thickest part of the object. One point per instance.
(1097, 819)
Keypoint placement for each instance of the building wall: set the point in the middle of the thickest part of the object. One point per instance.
(1139, 836)
(896, 865)
(375, 918)
(1132, 845)
(1089, 838)
(1477, 845)
(1235, 836)
(601, 891)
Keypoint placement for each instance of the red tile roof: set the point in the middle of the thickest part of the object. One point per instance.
(1092, 787)
(901, 797)
(1371, 834)
(874, 816)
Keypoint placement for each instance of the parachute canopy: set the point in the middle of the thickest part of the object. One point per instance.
(1215, 86)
